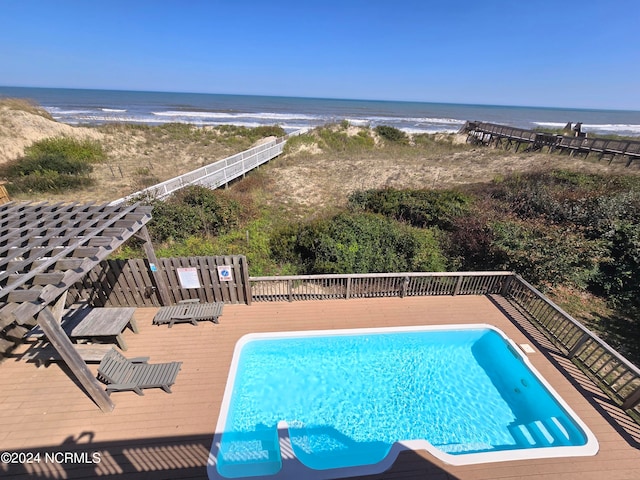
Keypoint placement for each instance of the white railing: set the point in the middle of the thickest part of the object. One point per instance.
(215, 174)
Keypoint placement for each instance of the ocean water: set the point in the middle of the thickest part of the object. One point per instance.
(77, 107)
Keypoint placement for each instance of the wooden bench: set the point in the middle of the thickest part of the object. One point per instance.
(89, 352)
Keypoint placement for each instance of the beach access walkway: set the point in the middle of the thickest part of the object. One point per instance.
(505, 136)
(218, 173)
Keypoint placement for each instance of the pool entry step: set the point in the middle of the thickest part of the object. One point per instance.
(249, 454)
(550, 432)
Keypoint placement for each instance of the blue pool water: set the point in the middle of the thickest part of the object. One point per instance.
(348, 398)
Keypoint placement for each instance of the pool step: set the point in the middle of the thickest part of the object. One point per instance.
(540, 433)
(249, 459)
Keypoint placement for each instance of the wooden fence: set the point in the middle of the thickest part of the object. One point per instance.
(115, 283)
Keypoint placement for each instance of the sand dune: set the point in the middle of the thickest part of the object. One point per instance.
(310, 178)
(19, 129)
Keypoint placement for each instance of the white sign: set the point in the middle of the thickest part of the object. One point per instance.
(188, 277)
(224, 273)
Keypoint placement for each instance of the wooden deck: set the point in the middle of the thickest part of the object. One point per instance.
(162, 435)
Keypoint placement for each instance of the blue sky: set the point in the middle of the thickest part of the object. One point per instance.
(506, 52)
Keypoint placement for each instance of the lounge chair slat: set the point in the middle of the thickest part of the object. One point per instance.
(121, 374)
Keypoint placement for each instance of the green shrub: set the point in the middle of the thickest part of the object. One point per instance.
(546, 255)
(339, 141)
(358, 243)
(194, 210)
(268, 131)
(471, 246)
(48, 181)
(252, 134)
(392, 134)
(619, 276)
(53, 165)
(87, 151)
(294, 143)
(27, 166)
(420, 208)
(590, 201)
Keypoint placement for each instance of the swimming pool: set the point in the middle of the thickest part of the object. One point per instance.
(328, 404)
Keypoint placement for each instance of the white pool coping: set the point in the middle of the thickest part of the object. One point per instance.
(292, 468)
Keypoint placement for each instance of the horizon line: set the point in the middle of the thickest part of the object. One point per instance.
(323, 98)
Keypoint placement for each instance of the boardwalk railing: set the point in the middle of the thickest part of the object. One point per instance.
(488, 133)
(618, 377)
(218, 173)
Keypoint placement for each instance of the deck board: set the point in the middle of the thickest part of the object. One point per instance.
(162, 435)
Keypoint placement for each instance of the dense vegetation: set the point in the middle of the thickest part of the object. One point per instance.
(571, 234)
(53, 165)
(358, 243)
(193, 211)
(576, 236)
(391, 134)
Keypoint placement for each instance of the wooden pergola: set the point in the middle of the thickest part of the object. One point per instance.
(46, 248)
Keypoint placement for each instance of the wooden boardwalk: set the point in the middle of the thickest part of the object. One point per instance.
(502, 135)
(168, 436)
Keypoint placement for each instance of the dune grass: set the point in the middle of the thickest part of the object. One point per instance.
(24, 105)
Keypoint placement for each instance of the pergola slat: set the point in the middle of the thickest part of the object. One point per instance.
(44, 249)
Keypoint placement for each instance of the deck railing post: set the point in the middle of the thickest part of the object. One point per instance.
(404, 287)
(580, 343)
(632, 400)
(348, 293)
(458, 285)
(290, 290)
(507, 284)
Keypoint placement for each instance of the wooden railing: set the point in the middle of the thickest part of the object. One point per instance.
(367, 285)
(618, 377)
(487, 133)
